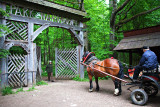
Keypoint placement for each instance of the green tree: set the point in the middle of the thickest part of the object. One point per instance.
(133, 14)
(98, 27)
(3, 31)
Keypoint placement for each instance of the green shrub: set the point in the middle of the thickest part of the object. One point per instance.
(31, 89)
(44, 74)
(77, 78)
(41, 83)
(7, 91)
(104, 78)
(19, 90)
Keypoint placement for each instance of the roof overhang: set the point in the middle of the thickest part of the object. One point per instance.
(50, 8)
(138, 41)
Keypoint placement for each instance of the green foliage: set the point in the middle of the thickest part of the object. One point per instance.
(147, 20)
(7, 91)
(3, 12)
(17, 50)
(98, 28)
(104, 78)
(3, 31)
(69, 3)
(44, 74)
(31, 89)
(41, 83)
(4, 53)
(19, 90)
(77, 78)
(3, 28)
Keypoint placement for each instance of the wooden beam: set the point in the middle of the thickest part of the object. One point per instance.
(39, 30)
(41, 22)
(75, 35)
(50, 8)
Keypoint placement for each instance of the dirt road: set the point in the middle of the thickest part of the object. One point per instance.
(69, 93)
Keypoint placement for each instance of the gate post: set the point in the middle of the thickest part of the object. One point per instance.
(81, 48)
(3, 66)
(56, 49)
(32, 63)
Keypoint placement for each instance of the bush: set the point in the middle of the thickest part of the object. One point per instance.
(41, 83)
(77, 78)
(44, 74)
(7, 91)
(31, 89)
(19, 90)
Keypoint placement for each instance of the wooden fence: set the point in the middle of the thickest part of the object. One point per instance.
(66, 63)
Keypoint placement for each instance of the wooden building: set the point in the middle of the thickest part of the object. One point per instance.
(134, 40)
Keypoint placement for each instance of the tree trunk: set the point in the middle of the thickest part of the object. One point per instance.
(86, 40)
(49, 53)
(113, 3)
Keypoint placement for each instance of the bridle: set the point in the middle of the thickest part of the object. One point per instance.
(87, 56)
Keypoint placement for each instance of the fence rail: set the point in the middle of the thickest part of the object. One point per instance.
(20, 82)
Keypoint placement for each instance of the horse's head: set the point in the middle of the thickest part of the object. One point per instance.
(87, 55)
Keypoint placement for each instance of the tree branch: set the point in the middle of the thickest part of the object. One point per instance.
(122, 6)
(114, 12)
(135, 16)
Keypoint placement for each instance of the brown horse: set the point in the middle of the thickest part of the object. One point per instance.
(110, 65)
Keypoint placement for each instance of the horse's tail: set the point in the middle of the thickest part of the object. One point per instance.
(121, 73)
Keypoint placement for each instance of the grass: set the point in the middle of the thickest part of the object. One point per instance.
(77, 78)
(41, 83)
(7, 91)
(19, 90)
(31, 89)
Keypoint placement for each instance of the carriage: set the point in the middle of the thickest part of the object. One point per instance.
(147, 85)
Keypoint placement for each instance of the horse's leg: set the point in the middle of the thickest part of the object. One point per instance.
(116, 92)
(119, 87)
(91, 84)
(97, 85)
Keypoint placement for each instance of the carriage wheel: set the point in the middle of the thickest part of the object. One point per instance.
(150, 89)
(139, 97)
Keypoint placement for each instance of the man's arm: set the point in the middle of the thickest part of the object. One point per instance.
(142, 61)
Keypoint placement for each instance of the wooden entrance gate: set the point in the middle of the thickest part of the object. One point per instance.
(17, 70)
(66, 63)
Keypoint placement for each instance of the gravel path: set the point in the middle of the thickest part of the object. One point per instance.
(69, 93)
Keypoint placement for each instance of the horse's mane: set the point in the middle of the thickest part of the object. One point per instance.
(91, 59)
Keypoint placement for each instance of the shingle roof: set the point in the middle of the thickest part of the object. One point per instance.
(138, 41)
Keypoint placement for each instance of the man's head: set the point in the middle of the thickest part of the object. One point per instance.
(50, 62)
(145, 48)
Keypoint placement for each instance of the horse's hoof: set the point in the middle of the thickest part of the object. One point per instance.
(116, 93)
(97, 89)
(91, 90)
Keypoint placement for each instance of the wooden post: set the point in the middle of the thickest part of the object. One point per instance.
(78, 59)
(30, 58)
(81, 51)
(3, 66)
(130, 57)
(56, 49)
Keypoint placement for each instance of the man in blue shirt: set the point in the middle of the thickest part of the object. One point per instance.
(147, 62)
